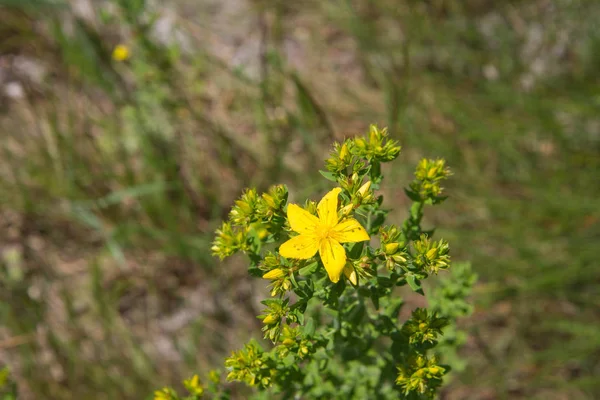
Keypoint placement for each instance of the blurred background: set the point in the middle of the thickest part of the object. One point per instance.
(128, 127)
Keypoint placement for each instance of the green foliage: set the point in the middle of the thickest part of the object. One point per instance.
(8, 388)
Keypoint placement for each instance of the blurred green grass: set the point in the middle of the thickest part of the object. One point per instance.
(114, 176)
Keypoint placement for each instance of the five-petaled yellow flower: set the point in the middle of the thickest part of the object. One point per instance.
(120, 53)
(323, 234)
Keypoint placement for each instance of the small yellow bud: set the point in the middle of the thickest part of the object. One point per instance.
(269, 200)
(432, 253)
(391, 248)
(287, 285)
(269, 319)
(288, 342)
(274, 274)
(431, 172)
(344, 152)
(346, 210)
(399, 259)
(120, 53)
(262, 232)
(350, 273)
(364, 189)
(373, 134)
(360, 143)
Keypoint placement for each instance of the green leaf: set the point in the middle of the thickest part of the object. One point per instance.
(309, 328)
(414, 196)
(375, 171)
(328, 175)
(309, 269)
(375, 297)
(416, 211)
(356, 250)
(414, 284)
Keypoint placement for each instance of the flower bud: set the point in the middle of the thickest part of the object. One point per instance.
(373, 134)
(344, 153)
(360, 143)
(287, 285)
(346, 210)
(269, 319)
(269, 200)
(432, 253)
(391, 248)
(399, 259)
(390, 264)
(364, 189)
(274, 274)
(350, 273)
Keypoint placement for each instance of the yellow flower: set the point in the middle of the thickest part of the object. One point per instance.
(120, 53)
(323, 234)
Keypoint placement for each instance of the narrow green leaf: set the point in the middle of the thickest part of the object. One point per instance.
(309, 269)
(328, 175)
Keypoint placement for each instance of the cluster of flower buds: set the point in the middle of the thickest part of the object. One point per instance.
(340, 157)
(431, 256)
(353, 155)
(428, 176)
(361, 194)
(292, 341)
(251, 215)
(421, 375)
(229, 240)
(392, 247)
(423, 327)
(274, 316)
(192, 385)
(250, 365)
(379, 147)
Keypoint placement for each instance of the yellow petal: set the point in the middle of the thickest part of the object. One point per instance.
(349, 231)
(350, 273)
(301, 246)
(327, 208)
(333, 256)
(301, 220)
